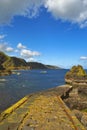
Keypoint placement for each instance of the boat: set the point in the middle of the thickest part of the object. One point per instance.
(43, 72)
(2, 80)
(18, 73)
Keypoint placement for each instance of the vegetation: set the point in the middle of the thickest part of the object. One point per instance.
(52, 67)
(76, 72)
(36, 65)
(15, 63)
(1, 67)
(8, 63)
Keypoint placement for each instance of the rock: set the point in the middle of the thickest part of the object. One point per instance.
(76, 75)
(84, 119)
(78, 114)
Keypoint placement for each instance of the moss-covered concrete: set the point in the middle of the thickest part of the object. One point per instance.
(40, 111)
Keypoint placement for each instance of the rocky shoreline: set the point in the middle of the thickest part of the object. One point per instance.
(77, 99)
(73, 94)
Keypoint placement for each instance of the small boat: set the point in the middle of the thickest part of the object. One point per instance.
(15, 72)
(2, 80)
(18, 73)
(43, 72)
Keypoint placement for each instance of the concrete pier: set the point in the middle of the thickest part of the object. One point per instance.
(41, 111)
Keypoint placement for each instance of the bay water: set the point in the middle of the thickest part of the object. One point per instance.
(21, 83)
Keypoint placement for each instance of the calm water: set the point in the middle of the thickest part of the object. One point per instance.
(14, 87)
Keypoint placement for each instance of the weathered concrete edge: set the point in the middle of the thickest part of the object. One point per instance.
(16, 105)
(5, 114)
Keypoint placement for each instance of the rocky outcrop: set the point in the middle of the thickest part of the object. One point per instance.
(77, 99)
(76, 75)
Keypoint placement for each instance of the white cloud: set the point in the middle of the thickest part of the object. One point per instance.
(83, 57)
(5, 47)
(20, 46)
(74, 11)
(10, 8)
(28, 53)
(21, 50)
(9, 49)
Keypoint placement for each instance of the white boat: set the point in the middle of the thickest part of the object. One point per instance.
(43, 72)
(18, 73)
(2, 80)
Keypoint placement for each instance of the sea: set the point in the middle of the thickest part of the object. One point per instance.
(21, 83)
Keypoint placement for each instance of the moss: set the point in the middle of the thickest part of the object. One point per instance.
(76, 72)
(84, 110)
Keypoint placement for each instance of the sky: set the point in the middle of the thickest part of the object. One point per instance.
(48, 31)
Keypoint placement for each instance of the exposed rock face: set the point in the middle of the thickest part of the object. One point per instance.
(76, 75)
(77, 100)
(82, 117)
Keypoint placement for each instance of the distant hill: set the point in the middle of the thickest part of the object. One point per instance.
(10, 63)
(3, 57)
(3, 70)
(52, 67)
(36, 65)
(13, 63)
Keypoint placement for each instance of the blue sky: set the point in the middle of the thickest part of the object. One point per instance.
(45, 31)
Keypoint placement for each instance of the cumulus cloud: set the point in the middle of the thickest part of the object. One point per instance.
(74, 11)
(20, 46)
(83, 57)
(5, 47)
(20, 50)
(71, 10)
(28, 53)
(10, 8)
(9, 49)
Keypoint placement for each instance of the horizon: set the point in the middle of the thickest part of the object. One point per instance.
(45, 31)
